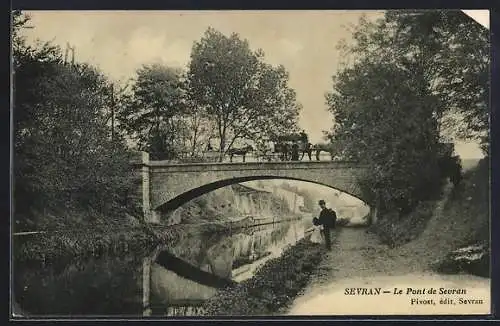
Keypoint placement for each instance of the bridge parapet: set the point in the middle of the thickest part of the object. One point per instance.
(166, 186)
(161, 166)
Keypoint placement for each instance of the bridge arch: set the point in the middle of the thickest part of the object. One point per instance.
(166, 186)
(191, 194)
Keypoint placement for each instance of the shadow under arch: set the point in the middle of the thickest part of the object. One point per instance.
(187, 196)
(191, 272)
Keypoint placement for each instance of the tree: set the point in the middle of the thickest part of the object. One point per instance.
(64, 160)
(154, 114)
(384, 119)
(200, 125)
(447, 49)
(201, 132)
(245, 97)
(19, 21)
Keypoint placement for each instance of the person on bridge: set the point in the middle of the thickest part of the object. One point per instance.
(285, 149)
(271, 150)
(303, 137)
(327, 218)
(209, 147)
(295, 152)
(308, 150)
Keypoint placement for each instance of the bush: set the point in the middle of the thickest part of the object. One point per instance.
(343, 221)
(273, 286)
(95, 241)
(395, 229)
(64, 158)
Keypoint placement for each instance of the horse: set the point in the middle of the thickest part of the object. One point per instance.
(286, 146)
(286, 150)
(283, 148)
(239, 151)
(265, 150)
(324, 147)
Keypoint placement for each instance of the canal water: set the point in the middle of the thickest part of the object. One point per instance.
(173, 280)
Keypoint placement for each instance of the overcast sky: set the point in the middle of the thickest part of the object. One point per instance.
(305, 42)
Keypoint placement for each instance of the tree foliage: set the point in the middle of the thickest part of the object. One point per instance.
(309, 199)
(455, 52)
(448, 50)
(384, 118)
(410, 72)
(245, 97)
(229, 94)
(153, 114)
(201, 131)
(63, 156)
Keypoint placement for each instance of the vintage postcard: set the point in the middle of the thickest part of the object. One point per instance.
(250, 163)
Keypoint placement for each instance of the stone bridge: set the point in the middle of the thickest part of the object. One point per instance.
(166, 186)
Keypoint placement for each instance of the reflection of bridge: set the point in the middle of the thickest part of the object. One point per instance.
(171, 285)
(176, 281)
(167, 186)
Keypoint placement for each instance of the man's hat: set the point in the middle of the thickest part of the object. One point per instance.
(321, 202)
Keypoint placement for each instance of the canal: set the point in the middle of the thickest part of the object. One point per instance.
(172, 280)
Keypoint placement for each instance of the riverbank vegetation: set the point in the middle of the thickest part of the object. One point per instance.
(76, 131)
(464, 223)
(398, 109)
(273, 287)
(94, 240)
(67, 168)
(456, 235)
(464, 207)
(70, 171)
(85, 242)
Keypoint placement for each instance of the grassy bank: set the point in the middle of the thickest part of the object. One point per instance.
(394, 230)
(436, 229)
(94, 240)
(273, 287)
(90, 241)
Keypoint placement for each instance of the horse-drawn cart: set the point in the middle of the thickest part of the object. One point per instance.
(293, 147)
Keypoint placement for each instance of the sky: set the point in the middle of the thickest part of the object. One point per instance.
(119, 42)
(316, 190)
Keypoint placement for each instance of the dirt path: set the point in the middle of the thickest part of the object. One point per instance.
(356, 253)
(358, 259)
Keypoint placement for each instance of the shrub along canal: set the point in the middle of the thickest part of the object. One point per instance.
(175, 279)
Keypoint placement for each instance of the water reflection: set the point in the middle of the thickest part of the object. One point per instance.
(181, 291)
(173, 280)
(104, 286)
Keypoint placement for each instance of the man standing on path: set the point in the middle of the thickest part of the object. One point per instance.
(327, 218)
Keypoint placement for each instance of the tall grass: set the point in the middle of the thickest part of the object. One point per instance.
(464, 213)
(88, 242)
(272, 288)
